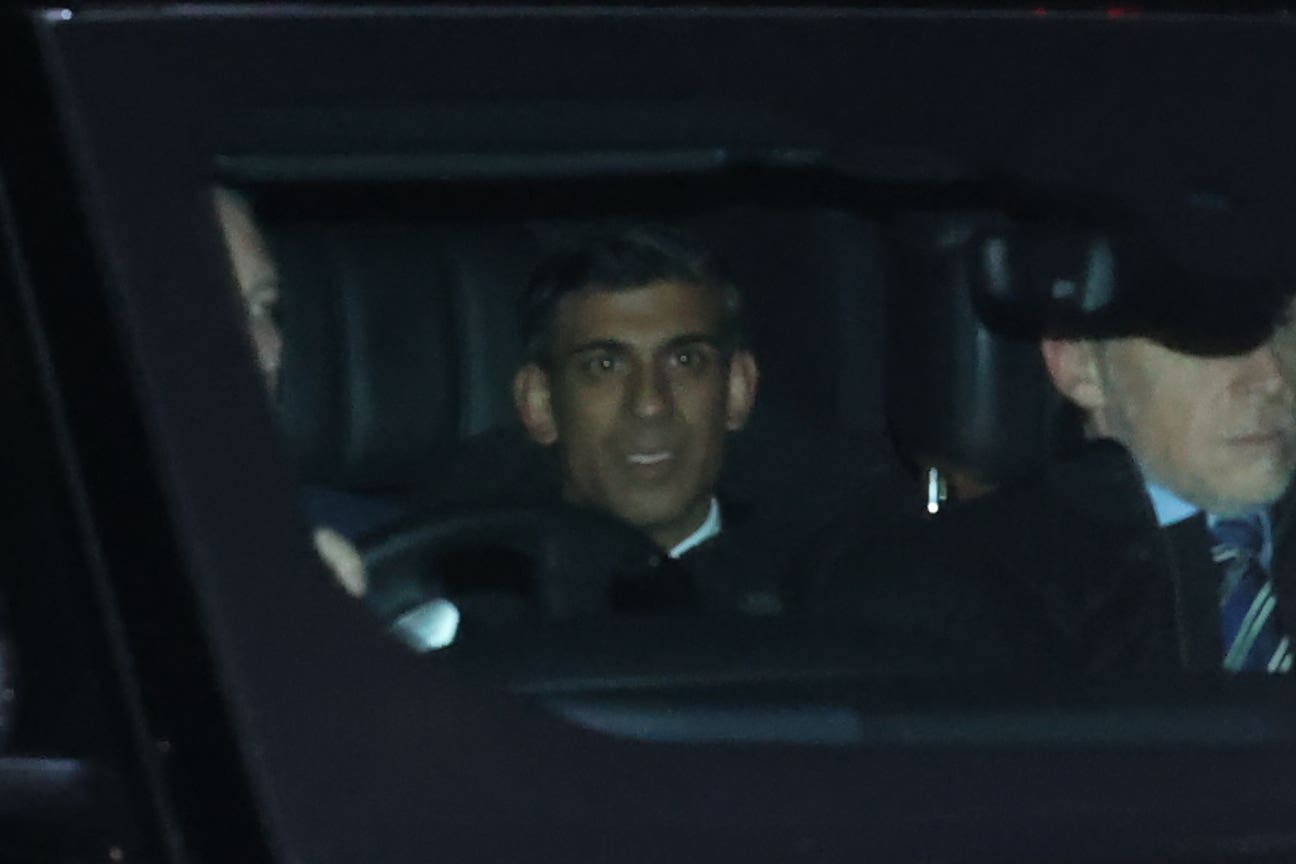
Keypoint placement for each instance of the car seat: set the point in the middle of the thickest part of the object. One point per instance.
(970, 402)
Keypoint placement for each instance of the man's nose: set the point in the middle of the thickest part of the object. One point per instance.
(1266, 372)
(650, 396)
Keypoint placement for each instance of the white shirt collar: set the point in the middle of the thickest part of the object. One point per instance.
(1170, 508)
(709, 528)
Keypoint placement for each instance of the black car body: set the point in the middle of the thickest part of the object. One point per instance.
(192, 687)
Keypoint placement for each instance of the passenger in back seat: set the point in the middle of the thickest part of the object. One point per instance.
(637, 371)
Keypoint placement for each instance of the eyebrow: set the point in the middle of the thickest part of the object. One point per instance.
(597, 345)
(614, 345)
(708, 339)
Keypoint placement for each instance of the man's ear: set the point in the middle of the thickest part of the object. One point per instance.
(743, 378)
(534, 403)
(1073, 366)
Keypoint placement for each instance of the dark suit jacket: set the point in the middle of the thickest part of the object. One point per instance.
(1069, 572)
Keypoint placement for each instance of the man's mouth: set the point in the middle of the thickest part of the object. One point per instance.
(655, 457)
(1263, 438)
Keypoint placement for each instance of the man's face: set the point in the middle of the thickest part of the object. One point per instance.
(1218, 431)
(638, 397)
(258, 283)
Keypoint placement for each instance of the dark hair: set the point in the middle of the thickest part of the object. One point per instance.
(621, 259)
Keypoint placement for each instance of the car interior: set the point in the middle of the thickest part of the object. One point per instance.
(373, 404)
(401, 337)
(894, 227)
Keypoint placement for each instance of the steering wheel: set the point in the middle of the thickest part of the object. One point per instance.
(550, 561)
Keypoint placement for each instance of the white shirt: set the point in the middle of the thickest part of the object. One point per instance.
(709, 528)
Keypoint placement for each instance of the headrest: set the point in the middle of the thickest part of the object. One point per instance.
(399, 339)
(961, 397)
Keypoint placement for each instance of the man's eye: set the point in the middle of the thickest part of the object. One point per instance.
(602, 364)
(691, 359)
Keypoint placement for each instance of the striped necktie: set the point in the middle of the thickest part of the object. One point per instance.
(1252, 637)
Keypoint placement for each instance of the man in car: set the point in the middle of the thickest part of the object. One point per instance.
(1167, 544)
(636, 373)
